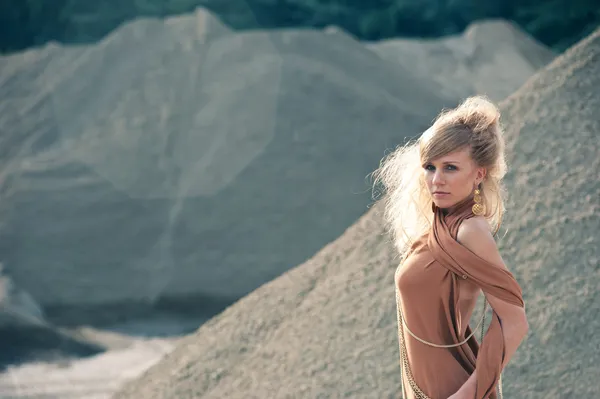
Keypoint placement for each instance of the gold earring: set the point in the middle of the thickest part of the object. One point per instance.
(478, 208)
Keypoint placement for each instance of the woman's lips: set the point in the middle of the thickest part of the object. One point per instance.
(440, 195)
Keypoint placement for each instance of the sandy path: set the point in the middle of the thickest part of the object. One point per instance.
(96, 377)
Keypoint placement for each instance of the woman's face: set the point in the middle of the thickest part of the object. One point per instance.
(454, 176)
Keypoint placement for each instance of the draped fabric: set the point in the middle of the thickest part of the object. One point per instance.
(429, 282)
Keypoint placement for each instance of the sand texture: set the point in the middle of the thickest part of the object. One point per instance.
(327, 329)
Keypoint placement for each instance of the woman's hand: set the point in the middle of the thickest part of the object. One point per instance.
(467, 391)
(460, 395)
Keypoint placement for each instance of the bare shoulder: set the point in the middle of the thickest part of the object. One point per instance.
(475, 235)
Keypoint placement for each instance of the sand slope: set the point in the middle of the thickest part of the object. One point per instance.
(486, 58)
(328, 327)
(175, 161)
(176, 158)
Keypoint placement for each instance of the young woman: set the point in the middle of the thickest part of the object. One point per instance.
(444, 201)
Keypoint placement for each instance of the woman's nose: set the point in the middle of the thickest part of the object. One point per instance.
(437, 178)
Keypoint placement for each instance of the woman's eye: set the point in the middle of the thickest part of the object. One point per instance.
(431, 167)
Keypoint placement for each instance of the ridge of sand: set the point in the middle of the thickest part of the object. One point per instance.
(199, 160)
(485, 58)
(328, 329)
(177, 158)
(174, 160)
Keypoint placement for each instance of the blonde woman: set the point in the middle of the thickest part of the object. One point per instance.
(444, 201)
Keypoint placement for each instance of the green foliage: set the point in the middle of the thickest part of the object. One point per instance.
(557, 23)
(568, 19)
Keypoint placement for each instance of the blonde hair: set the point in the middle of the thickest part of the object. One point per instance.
(475, 124)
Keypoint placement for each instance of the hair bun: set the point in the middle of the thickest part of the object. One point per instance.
(478, 113)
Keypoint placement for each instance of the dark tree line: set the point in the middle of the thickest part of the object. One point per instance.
(556, 23)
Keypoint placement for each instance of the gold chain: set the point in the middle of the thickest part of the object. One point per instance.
(445, 346)
(419, 394)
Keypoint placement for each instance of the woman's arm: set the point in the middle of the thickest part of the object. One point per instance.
(474, 234)
(515, 327)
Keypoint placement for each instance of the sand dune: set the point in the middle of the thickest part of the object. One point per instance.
(487, 58)
(177, 158)
(328, 329)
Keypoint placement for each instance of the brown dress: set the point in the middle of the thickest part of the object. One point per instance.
(429, 284)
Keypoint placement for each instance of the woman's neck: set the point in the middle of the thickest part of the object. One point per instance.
(452, 208)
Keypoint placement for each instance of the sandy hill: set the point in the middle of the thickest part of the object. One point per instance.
(485, 58)
(178, 159)
(328, 329)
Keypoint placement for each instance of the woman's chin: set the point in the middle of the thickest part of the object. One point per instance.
(443, 203)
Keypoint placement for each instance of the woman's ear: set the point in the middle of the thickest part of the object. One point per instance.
(481, 173)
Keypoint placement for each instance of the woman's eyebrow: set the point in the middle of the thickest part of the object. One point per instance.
(443, 163)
